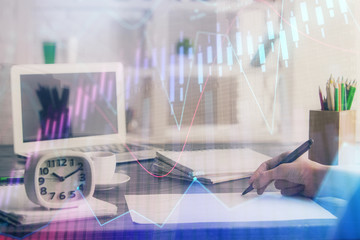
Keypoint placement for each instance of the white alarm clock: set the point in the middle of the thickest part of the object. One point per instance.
(55, 178)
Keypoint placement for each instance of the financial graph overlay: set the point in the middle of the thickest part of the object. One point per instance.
(226, 65)
(240, 56)
(195, 185)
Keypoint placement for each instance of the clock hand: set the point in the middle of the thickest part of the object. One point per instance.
(70, 174)
(61, 179)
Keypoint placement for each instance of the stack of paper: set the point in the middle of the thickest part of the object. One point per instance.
(16, 208)
(209, 166)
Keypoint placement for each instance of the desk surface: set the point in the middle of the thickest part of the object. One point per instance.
(143, 183)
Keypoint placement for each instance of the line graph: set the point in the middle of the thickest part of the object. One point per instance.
(269, 123)
(226, 38)
(178, 117)
(101, 224)
(304, 34)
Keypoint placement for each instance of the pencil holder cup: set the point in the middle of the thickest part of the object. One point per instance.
(330, 130)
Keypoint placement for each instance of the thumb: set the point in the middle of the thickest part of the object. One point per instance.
(266, 177)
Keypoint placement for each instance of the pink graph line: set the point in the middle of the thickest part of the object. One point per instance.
(204, 86)
(192, 120)
(207, 78)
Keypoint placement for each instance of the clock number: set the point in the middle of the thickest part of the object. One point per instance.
(63, 162)
(71, 162)
(52, 195)
(72, 194)
(81, 165)
(41, 180)
(81, 187)
(62, 196)
(82, 177)
(51, 163)
(44, 171)
(43, 191)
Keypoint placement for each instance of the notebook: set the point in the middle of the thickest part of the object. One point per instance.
(17, 209)
(209, 166)
(71, 106)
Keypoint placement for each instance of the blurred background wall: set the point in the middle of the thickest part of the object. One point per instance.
(170, 49)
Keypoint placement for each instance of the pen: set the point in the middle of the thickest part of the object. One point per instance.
(289, 158)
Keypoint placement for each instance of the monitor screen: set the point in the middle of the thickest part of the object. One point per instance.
(68, 105)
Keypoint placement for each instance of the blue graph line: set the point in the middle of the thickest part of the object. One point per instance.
(134, 211)
(42, 227)
(179, 125)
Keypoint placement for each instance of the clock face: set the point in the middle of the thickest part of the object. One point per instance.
(60, 179)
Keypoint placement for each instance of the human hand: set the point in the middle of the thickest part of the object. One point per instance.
(302, 176)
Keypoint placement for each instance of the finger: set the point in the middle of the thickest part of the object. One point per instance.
(281, 184)
(260, 191)
(274, 161)
(293, 191)
(269, 164)
(281, 172)
(263, 167)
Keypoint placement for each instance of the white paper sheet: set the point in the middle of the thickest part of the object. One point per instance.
(222, 207)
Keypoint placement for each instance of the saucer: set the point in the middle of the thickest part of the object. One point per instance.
(117, 180)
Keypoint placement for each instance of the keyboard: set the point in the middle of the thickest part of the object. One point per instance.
(121, 152)
(114, 148)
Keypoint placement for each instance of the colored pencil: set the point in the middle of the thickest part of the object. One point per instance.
(321, 99)
(343, 102)
(332, 90)
(336, 96)
(328, 99)
(340, 105)
(351, 95)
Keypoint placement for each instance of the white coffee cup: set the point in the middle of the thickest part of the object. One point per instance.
(104, 166)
